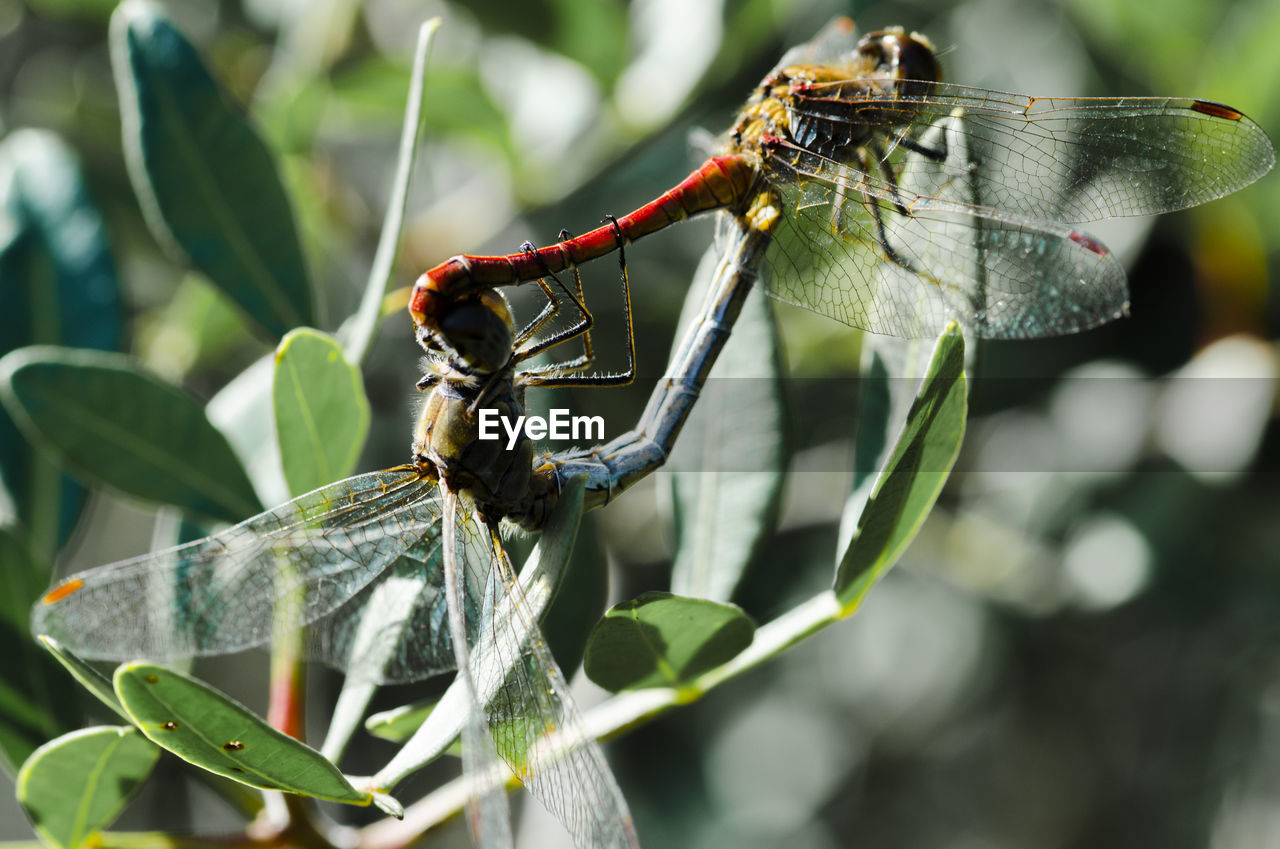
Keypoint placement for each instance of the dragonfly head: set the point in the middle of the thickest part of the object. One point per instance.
(478, 328)
(902, 56)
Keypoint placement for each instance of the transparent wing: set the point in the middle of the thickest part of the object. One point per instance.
(833, 44)
(1064, 159)
(900, 253)
(221, 594)
(536, 726)
(396, 629)
(488, 812)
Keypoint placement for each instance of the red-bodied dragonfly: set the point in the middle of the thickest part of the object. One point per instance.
(896, 200)
(429, 532)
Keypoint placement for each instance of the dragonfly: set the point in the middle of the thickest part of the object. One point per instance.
(896, 201)
(429, 531)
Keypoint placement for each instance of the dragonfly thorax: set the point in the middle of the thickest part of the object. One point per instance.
(495, 471)
(830, 109)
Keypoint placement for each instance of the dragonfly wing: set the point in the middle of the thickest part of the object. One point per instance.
(396, 629)
(536, 726)
(224, 593)
(488, 812)
(1063, 159)
(901, 257)
(833, 44)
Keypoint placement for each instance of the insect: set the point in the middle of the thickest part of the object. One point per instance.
(431, 525)
(897, 201)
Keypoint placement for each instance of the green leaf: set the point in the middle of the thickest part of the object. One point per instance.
(321, 413)
(892, 369)
(664, 640)
(731, 454)
(91, 679)
(399, 724)
(242, 412)
(907, 487)
(58, 285)
(37, 701)
(233, 793)
(207, 183)
(359, 332)
(77, 784)
(214, 732)
(101, 417)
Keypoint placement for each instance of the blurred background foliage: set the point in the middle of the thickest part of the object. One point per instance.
(1083, 647)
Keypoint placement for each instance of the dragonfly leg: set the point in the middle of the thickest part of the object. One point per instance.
(886, 170)
(552, 306)
(873, 204)
(555, 374)
(524, 348)
(610, 469)
(915, 147)
(549, 311)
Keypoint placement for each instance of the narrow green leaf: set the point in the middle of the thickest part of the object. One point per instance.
(207, 183)
(101, 417)
(892, 370)
(79, 783)
(214, 732)
(58, 285)
(907, 487)
(236, 795)
(49, 200)
(321, 412)
(729, 462)
(399, 724)
(37, 701)
(664, 640)
(360, 331)
(91, 679)
(242, 412)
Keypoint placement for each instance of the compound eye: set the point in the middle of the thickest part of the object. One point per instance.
(877, 47)
(902, 56)
(916, 60)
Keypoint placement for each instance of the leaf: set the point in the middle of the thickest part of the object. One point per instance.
(37, 701)
(399, 724)
(730, 458)
(359, 332)
(664, 640)
(214, 732)
(58, 285)
(907, 487)
(91, 679)
(207, 183)
(892, 369)
(321, 412)
(79, 783)
(101, 417)
(233, 793)
(242, 411)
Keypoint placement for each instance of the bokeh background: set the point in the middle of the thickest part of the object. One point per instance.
(1082, 648)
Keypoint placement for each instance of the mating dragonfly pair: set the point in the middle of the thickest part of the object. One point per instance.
(873, 192)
